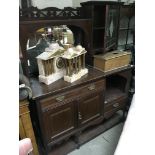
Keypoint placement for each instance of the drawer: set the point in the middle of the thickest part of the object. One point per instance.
(109, 113)
(115, 105)
(71, 95)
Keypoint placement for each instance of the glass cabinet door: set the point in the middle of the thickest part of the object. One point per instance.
(111, 27)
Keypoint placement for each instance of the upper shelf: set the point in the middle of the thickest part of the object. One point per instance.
(113, 93)
(98, 28)
(118, 70)
(121, 29)
(33, 13)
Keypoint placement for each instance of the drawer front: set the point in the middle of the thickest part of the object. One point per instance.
(62, 98)
(115, 105)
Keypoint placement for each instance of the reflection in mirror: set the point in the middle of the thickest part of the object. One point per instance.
(111, 28)
(50, 36)
(42, 38)
(61, 34)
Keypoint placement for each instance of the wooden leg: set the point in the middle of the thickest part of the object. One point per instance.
(124, 114)
(76, 139)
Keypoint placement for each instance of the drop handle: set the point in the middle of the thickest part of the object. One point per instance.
(115, 105)
(91, 87)
(79, 116)
(105, 102)
(60, 98)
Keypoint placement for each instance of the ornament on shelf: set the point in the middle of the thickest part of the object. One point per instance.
(50, 64)
(74, 63)
(61, 58)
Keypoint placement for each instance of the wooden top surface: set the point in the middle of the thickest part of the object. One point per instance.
(40, 90)
(113, 54)
(102, 3)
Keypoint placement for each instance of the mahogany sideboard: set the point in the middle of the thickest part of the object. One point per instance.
(65, 109)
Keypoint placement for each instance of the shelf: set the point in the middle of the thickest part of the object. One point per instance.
(126, 44)
(110, 46)
(99, 28)
(97, 49)
(113, 93)
(121, 29)
(131, 44)
(118, 70)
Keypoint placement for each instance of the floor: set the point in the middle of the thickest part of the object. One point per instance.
(104, 144)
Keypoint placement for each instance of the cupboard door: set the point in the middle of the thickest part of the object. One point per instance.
(90, 107)
(59, 121)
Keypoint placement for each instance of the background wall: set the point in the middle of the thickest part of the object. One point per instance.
(63, 3)
(76, 3)
(52, 3)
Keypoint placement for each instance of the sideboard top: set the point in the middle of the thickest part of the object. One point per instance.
(40, 90)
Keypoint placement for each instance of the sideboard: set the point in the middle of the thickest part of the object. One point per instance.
(62, 110)
(65, 109)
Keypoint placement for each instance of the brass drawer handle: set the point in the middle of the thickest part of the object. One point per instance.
(79, 116)
(115, 105)
(91, 87)
(60, 98)
(105, 102)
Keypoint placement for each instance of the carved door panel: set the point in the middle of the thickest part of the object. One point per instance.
(90, 107)
(59, 120)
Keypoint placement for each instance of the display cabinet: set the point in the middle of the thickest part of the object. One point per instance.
(105, 20)
(126, 27)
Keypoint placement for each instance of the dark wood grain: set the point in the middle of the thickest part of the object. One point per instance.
(32, 13)
(41, 90)
(60, 119)
(81, 108)
(99, 12)
(86, 136)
